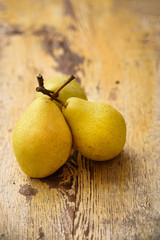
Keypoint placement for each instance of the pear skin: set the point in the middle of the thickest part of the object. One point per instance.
(41, 139)
(73, 89)
(98, 129)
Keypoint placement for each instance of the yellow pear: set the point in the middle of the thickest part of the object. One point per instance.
(73, 89)
(98, 129)
(41, 139)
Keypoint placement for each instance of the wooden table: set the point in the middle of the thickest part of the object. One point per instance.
(113, 47)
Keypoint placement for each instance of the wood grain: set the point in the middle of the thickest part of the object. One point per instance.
(113, 48)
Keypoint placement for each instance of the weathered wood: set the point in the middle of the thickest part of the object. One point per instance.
(113, 49)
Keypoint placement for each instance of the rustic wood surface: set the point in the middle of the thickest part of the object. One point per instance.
(113, 47)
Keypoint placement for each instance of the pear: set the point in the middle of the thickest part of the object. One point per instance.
(98, 129)
(73, 89)
(41, 139)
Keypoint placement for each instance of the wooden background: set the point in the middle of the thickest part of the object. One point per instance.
(113, 47)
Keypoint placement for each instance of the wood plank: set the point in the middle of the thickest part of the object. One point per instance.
(113, 48)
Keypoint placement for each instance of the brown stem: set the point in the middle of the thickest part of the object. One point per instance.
(51, 94)
(64, 104)
(40, 80)
(41, 87)
(55, 94)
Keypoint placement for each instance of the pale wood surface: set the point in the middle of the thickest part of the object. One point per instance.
(102, 42)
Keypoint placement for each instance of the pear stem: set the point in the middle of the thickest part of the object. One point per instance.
(41, 87)
(64, 104)
(55, 94)
(51, 94)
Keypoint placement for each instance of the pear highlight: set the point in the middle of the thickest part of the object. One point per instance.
(98, 129)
